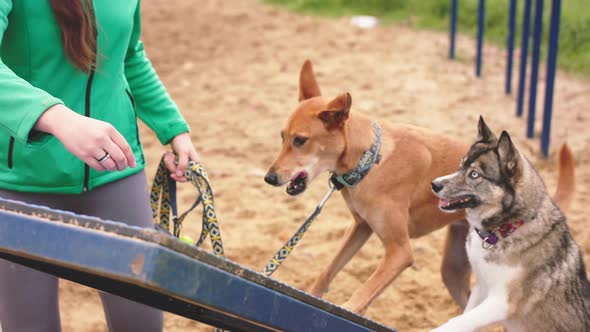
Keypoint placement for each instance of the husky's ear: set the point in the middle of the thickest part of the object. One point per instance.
(337, 112)
(509, 157)
(308, 87)
(484, 134)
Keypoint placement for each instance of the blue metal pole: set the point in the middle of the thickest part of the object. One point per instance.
(453, 29)
(524, 50)
(551, 64)
(537, 38)
(480, 31)
(510, 45)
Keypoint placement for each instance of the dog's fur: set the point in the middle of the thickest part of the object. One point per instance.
(534, 279)
(394, 200)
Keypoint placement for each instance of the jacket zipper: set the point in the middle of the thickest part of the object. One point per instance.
(10, 151)
(87, 114)
(130, 98)
(136, 127)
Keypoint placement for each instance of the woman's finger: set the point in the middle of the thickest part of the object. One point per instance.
(106, 160)
(120, 141)
(117, 155)
(170, 161)
(194, 156)
(110, 165)
(182, 163)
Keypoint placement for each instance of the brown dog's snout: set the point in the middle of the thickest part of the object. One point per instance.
(272, 178)
(437, 186)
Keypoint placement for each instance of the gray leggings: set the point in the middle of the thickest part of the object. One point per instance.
(29, 299)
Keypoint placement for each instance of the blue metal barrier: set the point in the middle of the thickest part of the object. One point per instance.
(156, 269)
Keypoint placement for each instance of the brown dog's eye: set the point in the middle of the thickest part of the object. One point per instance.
(299, 141)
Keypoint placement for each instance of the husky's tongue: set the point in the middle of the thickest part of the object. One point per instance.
(459, 203)
(443, 203)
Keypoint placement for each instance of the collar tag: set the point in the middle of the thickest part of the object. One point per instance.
(489, 239)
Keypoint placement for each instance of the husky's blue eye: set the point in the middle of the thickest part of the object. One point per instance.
(474, 175)
(299, 141)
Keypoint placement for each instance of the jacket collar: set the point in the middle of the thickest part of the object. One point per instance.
(368, 159)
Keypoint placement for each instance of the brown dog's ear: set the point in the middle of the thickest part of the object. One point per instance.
(337, 112)
(308, 87)
(509, 157)
(484, 134)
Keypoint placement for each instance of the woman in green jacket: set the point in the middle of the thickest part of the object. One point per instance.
(73, 79)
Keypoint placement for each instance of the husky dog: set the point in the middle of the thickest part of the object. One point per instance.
(530, 275)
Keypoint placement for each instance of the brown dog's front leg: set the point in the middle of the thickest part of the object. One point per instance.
(455, 268)
(354, 239)
(397, 259)
(391, 226)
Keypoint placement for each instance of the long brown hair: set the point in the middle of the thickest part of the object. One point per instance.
(78, 31)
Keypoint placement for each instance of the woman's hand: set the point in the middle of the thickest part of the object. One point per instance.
(88, 139)
(183, 147)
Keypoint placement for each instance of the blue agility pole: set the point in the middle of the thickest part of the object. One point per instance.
(453, 29)
(510, 45)
(524, 50)
(550, 84)
(537, 38)
(480, 32)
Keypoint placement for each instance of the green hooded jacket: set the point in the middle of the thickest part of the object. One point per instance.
(35, 75)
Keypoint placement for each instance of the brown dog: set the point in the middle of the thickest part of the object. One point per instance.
(394, 199)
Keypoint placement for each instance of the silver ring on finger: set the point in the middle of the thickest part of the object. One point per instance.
(104, 158)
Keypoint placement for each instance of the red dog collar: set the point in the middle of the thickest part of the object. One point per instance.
(504, 230)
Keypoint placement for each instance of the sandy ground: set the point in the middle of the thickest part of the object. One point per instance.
(232, 66)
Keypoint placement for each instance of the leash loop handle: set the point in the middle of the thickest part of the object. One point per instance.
(163, 202)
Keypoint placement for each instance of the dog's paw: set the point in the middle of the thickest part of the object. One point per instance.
(442, 328)
(354, 308)
(316, 292)
(454, 325)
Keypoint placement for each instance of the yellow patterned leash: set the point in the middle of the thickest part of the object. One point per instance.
(336, 182)
(286, 249)
(164, 208)
(163, 204)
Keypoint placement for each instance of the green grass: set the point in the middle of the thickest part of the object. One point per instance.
(574, 38)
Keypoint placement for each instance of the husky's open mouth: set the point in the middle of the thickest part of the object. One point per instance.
(298, 184)
(457, 203)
